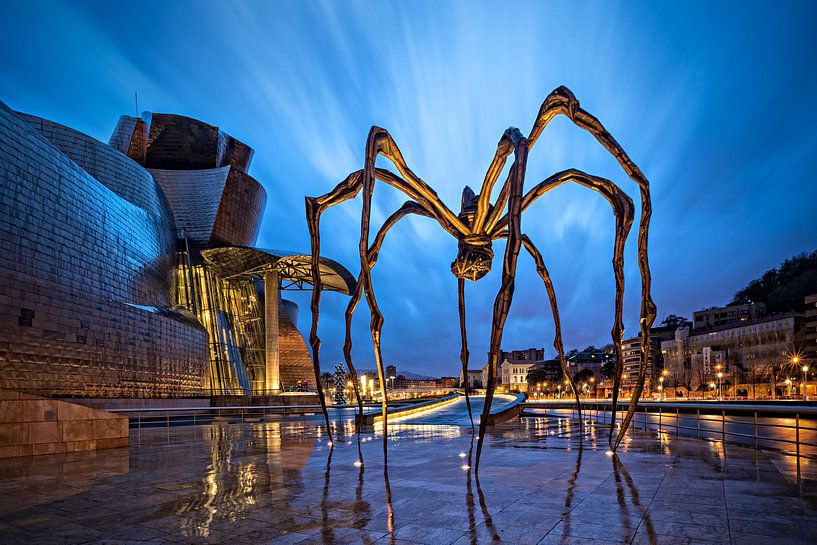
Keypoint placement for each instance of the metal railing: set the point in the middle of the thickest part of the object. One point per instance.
(193, 416)
(789, 430)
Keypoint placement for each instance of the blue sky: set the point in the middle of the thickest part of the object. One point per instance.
(714, 101)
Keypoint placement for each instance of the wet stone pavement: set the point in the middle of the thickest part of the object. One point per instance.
(281, 483)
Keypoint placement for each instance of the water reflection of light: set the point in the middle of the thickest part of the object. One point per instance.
(243, 463)
(421, 431)
(418, 412)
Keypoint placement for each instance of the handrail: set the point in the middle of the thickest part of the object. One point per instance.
(802, 409)
(666, 417)
(235, 407)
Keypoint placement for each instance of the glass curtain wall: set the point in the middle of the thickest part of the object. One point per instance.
(231, 313)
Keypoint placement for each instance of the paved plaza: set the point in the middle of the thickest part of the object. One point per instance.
(281, 483)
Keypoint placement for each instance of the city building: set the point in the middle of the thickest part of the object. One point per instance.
(631, 357)
(514, 374)
(810, 332)
(447, 382)
(530, 354)
(474, 378)
(549, 371)
(485, 375)
(403, 383)
(750, 355)
(391, 375)
(591, 358)
(127, 269)
(730, 314)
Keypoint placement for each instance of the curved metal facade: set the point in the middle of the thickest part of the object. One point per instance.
(103, 289)
(86, 271)
(296, 363)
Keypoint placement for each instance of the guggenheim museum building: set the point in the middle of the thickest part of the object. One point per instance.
(129, 269)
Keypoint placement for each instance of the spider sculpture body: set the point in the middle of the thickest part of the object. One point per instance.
(478, 224)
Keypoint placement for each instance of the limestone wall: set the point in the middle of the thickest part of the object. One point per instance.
(32, 425)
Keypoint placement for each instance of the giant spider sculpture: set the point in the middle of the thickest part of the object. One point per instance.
(477, 225)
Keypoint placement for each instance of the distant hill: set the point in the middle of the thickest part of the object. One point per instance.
(783, 288)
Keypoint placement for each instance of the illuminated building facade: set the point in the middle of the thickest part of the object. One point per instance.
(748, 352)
(631, 354)
(104, 287)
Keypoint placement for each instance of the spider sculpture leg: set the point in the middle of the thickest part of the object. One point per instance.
(542, 271)
(623, 209)
(504, 148)
(409, 207)
(562, 102)
(347, 189)
(379, 142)
(464, 354)
(502, 303)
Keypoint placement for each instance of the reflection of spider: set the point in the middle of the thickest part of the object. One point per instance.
(478, 224)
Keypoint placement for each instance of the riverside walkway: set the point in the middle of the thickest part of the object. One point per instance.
(281, 482)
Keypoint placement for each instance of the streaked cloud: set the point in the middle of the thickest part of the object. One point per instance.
(717, 110)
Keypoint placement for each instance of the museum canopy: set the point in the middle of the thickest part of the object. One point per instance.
(292, 267)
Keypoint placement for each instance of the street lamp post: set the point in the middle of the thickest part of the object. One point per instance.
(805, 383)
(661, 387)
(795, 360)
(720, 392)
(664, 375)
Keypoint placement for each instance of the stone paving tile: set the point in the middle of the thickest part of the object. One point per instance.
(694, 532)
(495, 533)
(427, 535)
(554, 539)
(655, 539)
(588, 530)
(750, 539)
(276, 483)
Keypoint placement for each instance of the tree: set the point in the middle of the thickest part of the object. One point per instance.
(674, 320)
(327, 381)
(608, 369)
(783, 289)
(541, 375)
(583, 376)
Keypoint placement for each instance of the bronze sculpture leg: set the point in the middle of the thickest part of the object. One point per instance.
(475, 227)
(409, 207)
(543, 273)
(562, 102)
(502, 304)
(348, 189)
(622, 207)
(464, 349)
